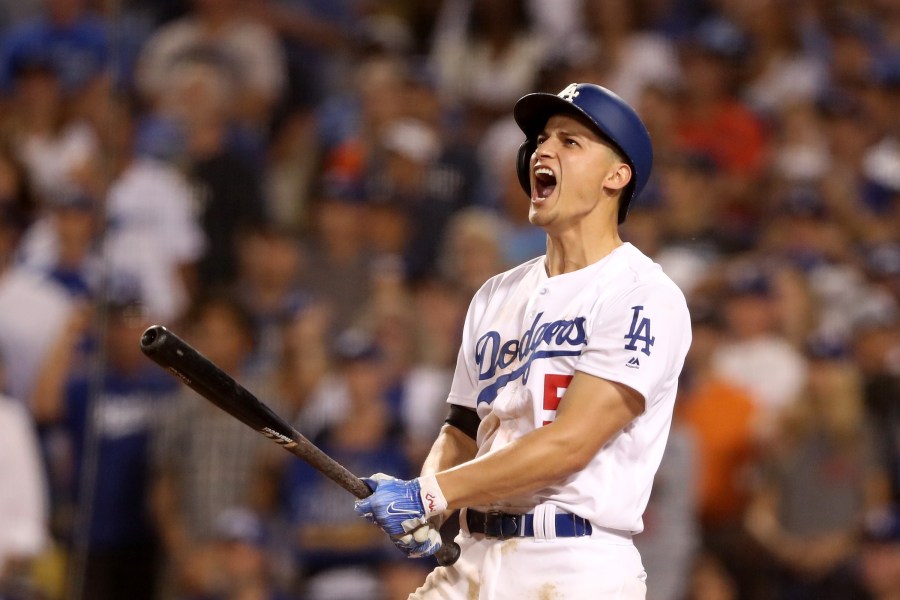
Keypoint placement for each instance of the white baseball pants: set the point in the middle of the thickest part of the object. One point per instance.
(602, 566)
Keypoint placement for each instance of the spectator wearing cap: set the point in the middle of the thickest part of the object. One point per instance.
(318, 37)
(881, 263)
(58, 150)
(204, 461)
(63, 246)
(755, 354)
(338, 262)
(819, 477)
(73, 41)
(805, 235)
(226, 181)
(217, 33)
(152, 223)
(637, 54)
(107, 407)
(714, 121)
(305, 371)
(411, 149)
(239, 560)
(485, 58)
(338, 556)
(780, 71)
(693, 234)
(800, 155)
(844, 284)
(850, 133)
(270, 266)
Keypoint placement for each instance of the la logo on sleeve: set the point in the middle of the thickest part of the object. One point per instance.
(639, 332)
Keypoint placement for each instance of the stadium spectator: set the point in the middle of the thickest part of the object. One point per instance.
(217, 32)
(204, 460)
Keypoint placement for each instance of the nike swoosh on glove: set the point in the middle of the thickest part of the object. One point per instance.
(397, 507)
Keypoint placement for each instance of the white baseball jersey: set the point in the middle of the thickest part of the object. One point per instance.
(525, 335)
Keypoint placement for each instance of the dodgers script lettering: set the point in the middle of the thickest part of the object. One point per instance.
(493, 354)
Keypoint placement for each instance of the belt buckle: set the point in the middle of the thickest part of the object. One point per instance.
(502, 526)
(493, 524)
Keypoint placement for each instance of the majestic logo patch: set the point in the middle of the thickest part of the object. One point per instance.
(493, 354)
(634, 363)
(639, 332)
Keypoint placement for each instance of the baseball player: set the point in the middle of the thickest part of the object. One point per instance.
(563, 393)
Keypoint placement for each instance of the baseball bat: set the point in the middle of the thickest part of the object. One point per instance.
(201, 375)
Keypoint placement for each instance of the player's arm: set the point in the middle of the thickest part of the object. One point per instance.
(413, 530)
(590, 414)
(455, 443)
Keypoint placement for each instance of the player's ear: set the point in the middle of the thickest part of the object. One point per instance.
(619, 176)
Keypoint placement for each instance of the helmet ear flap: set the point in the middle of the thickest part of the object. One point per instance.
(523, 164)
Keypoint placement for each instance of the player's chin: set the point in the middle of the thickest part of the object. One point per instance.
(538, 216)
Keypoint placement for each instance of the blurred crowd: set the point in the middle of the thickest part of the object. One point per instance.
(309, 192)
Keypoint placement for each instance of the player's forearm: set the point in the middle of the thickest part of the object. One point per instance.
(451, 448)
(594, 411)
(534, 461)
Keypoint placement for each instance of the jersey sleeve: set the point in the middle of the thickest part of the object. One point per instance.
(639, 339)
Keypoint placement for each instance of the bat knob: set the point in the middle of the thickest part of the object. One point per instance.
(151, 334)
(448, 554)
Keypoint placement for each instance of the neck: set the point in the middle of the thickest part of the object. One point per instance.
(568, 253)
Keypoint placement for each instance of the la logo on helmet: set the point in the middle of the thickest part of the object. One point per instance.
(570, 93)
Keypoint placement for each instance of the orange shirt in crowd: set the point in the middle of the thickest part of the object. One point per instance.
(731, 135)
(721, 417)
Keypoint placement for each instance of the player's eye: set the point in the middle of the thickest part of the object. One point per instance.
(570, 141)
(541, 139)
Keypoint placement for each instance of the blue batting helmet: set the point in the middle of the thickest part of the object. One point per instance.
(613, 118)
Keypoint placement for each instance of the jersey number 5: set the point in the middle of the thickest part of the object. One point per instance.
(554, 388)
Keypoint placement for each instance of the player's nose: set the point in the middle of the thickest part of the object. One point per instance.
(546, 149)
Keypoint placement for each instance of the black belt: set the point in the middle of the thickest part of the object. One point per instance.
(499, 525)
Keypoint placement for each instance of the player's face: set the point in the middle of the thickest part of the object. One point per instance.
(573, 172)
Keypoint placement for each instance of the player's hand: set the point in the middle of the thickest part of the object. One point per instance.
(397, 507)
(424, 540)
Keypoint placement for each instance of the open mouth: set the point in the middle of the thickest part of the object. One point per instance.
(544, 182)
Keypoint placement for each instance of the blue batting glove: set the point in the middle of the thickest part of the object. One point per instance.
(397, 507)
(425, 540)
